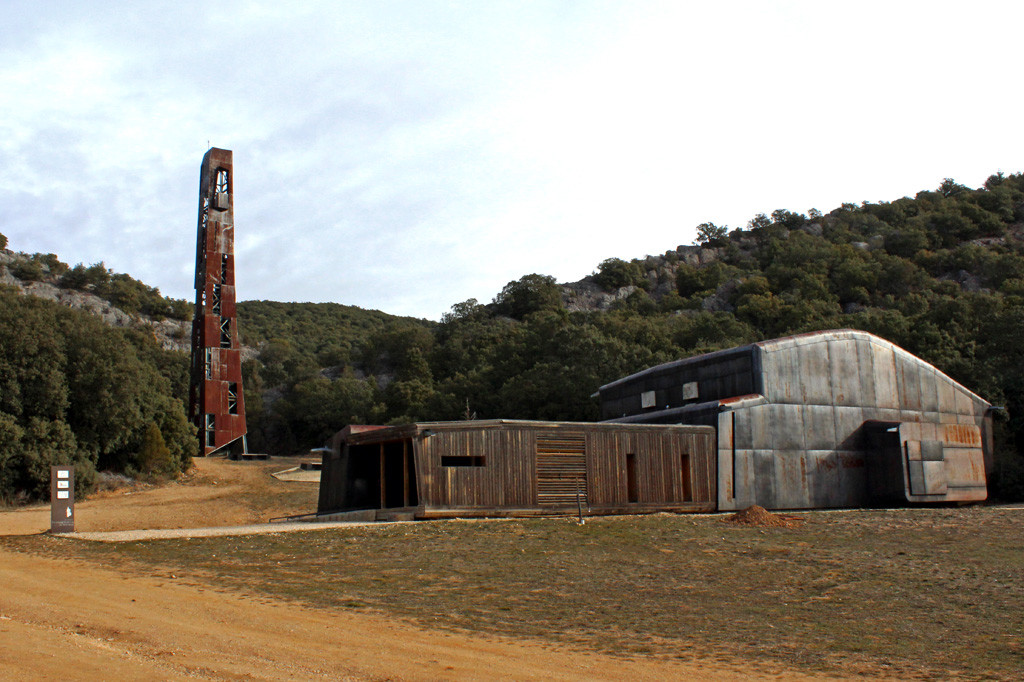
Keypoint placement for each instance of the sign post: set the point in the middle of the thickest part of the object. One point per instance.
(62, 499)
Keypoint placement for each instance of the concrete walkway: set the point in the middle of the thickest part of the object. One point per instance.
(253, 529)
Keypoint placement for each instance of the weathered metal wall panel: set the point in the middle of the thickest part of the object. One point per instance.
(715, 376)
(883, 368)
(929, 392)
(819, 427)
(825, 482)
(787, 425)
(866, 374)
(813, 369)
(964, 405)
(908, 383)
(946, 392)
(822, 389)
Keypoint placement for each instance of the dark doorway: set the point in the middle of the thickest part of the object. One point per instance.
(632, 494)
(363, 486)
(684, 471)
(393, 471)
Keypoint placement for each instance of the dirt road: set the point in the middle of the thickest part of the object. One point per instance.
(68, 619)
(64, 619)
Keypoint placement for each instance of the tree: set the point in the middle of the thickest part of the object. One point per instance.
(951, 188)
(529, 294)
(10, 456)
(154, 456)
(709, 234)
(615, 273)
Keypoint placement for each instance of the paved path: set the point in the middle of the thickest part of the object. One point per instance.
(254, 529)
(291, 526)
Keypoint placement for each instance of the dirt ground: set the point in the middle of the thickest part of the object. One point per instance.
(70, 619)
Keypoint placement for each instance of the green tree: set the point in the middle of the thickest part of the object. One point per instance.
(529, 294)
(709, 234)
(615, 273)
(154, 456)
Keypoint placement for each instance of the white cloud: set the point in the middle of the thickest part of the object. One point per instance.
(408, 155)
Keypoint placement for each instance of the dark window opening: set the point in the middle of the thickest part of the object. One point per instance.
(216, 299)
(211, 433)
(632, 494)
(222, 181)
(393, 471)
(224, 269)
(232, 398)
(225, 332)
(363, 484)
(462, 461)
(685, 471)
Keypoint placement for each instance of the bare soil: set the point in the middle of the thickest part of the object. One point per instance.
(70, 609)
(757, 515)
(216, 492)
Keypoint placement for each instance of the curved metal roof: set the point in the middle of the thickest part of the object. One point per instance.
(789, 342)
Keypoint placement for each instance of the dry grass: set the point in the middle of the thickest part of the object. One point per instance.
(907, 593)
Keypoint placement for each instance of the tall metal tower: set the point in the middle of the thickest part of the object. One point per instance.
(216, 406)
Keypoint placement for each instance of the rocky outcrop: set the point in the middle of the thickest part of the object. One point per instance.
(169, 334)
(586, 295)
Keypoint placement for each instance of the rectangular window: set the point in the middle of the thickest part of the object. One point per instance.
(462, 460)
(208, 362)
(690, 391)
(232, 398)
(647, 399)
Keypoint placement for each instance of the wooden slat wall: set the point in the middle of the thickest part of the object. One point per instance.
(529, 466)
(506, 480)
(561, 468)
(658, 467)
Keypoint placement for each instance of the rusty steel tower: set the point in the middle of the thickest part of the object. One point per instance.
(216, 406)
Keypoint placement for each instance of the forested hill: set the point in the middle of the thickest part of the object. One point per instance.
(940, 274)
(82, 381)
(94, 369)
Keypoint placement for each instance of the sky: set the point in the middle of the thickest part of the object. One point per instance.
(408, 155)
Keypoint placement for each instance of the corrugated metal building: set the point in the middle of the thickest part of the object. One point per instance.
(827, 419)
(517, 468)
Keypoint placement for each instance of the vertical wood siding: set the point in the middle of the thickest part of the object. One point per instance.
(538, 466)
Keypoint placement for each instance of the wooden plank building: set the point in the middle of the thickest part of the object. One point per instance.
(517, 468)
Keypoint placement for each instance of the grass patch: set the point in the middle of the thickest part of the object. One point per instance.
(909, 593)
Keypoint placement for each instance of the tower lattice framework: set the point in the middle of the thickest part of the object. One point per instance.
(216, 405)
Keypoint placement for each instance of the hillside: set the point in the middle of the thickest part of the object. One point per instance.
(83, 305)
(940, 274)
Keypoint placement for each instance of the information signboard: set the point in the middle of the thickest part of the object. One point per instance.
(62, 499)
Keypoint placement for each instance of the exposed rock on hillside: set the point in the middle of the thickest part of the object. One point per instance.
(169, 334)
(586, 295)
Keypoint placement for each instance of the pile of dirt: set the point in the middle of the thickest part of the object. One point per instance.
(759, 516)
